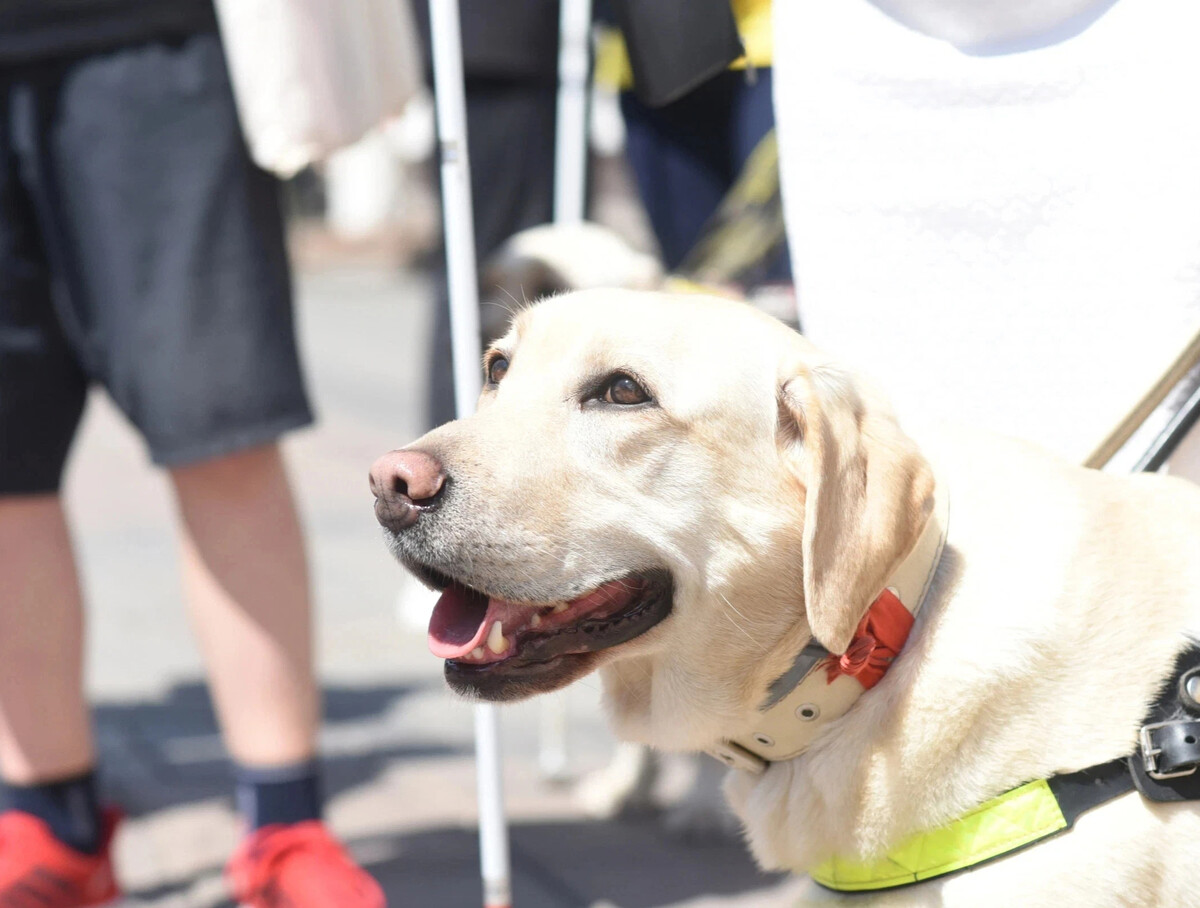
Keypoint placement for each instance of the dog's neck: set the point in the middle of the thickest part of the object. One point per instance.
(987, 693)
(672, 704)
(820, 688)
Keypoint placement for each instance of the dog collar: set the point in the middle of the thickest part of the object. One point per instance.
(820, 687)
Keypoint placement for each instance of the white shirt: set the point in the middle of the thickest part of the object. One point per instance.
(1007, 231)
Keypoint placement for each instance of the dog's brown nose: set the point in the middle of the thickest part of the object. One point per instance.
(404, 483)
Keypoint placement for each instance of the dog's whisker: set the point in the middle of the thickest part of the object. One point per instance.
(516, 304)
(761, 646)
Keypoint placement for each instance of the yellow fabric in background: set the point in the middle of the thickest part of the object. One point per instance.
(754, 25)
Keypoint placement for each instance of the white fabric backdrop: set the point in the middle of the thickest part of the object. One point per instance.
(1008, 238)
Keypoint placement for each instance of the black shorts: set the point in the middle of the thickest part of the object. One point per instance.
(140, 248)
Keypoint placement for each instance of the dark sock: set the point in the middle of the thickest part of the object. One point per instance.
(70, 807)
(278, 794)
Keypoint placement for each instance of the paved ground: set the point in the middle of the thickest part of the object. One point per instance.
(400, 772)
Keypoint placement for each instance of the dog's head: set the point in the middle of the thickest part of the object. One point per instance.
(677, 488)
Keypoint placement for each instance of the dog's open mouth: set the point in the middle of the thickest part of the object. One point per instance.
(481, 635)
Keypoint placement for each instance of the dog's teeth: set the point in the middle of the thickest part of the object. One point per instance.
(560, 607)
(477, 653)
(535, 620)
(495, 641)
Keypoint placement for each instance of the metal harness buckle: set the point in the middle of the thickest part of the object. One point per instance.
(735, 756)
(1150, 754)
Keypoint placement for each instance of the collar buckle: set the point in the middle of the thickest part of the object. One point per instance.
(735, 756)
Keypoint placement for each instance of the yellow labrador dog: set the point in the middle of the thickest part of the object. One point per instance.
(685, 495)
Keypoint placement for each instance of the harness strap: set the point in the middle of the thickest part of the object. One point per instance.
(1016, 819)
(1165, 767)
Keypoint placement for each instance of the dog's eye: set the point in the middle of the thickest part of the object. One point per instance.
(497, 369)
(621, 389)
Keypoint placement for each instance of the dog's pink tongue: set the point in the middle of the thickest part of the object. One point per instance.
(458, 623)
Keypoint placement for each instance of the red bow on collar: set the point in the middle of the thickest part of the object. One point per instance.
(877, 641)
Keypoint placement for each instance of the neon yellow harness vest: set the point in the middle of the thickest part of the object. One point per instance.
(1017, 818)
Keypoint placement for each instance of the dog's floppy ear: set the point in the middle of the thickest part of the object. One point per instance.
(868, 494)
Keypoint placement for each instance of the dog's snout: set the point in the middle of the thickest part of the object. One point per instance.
(407, 474)
(404, 483)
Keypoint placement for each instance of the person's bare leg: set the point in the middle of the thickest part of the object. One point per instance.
(44, 726)
(246, 578)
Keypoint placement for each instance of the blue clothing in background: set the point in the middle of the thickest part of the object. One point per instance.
(688, 154)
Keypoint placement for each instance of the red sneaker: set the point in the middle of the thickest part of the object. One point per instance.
(38, 869)
(299, 865)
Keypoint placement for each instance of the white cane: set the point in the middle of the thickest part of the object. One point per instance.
(458, 227)
(570, 132)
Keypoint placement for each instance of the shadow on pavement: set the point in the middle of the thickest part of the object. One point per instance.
(555, 865)
(167, 752)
